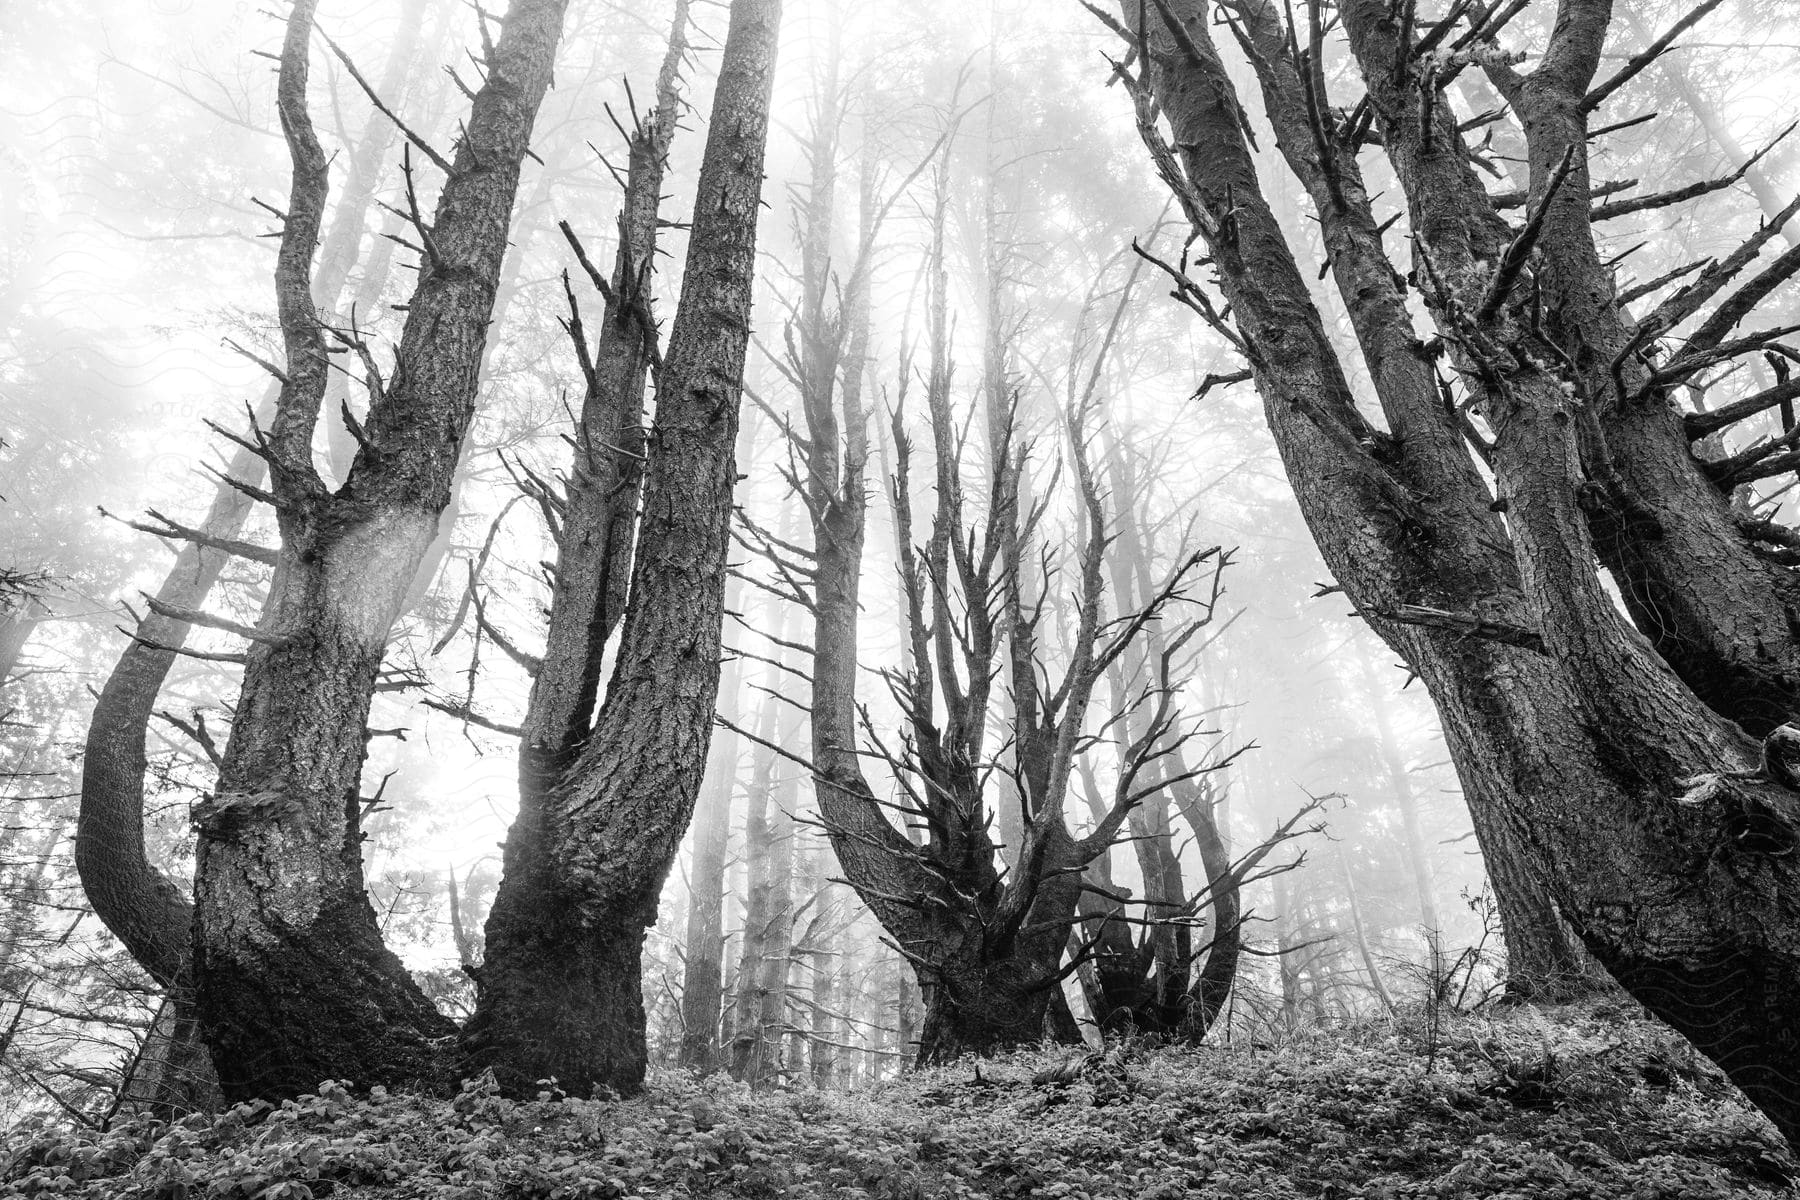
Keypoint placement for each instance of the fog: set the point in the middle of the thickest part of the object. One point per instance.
(142, 168)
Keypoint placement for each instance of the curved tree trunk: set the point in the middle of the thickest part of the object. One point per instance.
(1567, 728)
(1225, 941)
(294, 984)
(141, 907)
(560, 993)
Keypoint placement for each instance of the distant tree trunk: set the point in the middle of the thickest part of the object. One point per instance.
(906, 1016)
(1412, 845)
(1361, 933)
(1287, 950)
(19, 616)
(760, 1005)
(24, 898)
(561, 992)
(824, 945)
(1225, 935)
(293, 981)
(1168, 1003)
(702, 972)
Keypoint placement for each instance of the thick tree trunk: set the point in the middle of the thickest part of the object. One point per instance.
(294, 984)
(172, 1075)
(136, 902)
(982, 1008)
(1567, 729)
(560, 993)
(985, 994)
(1545, 960)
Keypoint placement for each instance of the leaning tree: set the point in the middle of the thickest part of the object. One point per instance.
(1531, 446)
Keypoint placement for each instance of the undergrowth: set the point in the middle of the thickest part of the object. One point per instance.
(1541, 1104)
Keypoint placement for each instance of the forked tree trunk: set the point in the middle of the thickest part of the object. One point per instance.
(142, 907)
(561, 993)
(1574, 739)
(294, 983)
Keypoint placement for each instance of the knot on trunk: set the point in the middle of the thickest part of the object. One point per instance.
(1781, 756)
(1752, 819)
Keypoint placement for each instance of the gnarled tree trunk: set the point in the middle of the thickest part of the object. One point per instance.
(1572, 734)
(136, 902)
(293, 981)
(560, 993)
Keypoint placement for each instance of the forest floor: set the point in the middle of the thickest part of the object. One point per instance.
(1539, 1103)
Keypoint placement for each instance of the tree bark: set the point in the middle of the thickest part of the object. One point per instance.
(1569, 730)
(294, 984)
(560, 993)
(149, 914)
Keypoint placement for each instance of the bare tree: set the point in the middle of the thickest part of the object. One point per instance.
(604, 805)
(1148, 974)
(145, 910)
(988, 943)
(1579, 734)
(293, 982)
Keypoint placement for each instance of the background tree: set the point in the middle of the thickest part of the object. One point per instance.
(988, 942)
